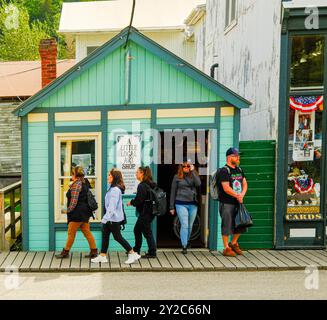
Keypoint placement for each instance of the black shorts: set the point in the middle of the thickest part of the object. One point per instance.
(228, 213)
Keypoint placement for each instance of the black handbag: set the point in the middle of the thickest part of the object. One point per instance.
(243, 219)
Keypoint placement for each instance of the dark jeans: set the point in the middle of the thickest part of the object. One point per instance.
(114, 228)
(143, 227)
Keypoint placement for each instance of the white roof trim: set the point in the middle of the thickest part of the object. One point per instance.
(114, 15)
(304, 4)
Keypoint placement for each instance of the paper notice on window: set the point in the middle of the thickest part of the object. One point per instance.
(304, 133)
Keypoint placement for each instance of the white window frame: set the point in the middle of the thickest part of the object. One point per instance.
(230, 22)
(58, 137)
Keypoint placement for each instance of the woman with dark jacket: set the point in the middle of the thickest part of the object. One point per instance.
(183, 197)
(144, 212)
(111, 221)
(78, 213)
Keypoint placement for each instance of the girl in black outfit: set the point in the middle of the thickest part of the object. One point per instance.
(144, 212)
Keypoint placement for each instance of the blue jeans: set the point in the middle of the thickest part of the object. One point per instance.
(186, 214)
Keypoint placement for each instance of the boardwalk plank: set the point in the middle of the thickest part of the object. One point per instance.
(272, 258)
(164, 263)
(301, 257)
(36, 264)
(114, 261)
(155, 264)
(19, 259)
(258, 254)
(259, 264)
(85, 263)
(65, 263)
(318, 254)
(172, 260)
(227, 264)
(233, 260)
(105, 266)
(291, 264)
(122, 258)
(323, 252)
(315, 259)
(55, 263)
(213, 260)
(8, 262)
(46, 263)
(185, 263)
(145, 264)
(75, 263)
(3, 256)
(248, 263)
(196, 264)
(288, 255)
(25, 266)
(203, 260)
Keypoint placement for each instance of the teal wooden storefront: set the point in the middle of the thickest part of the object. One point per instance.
(117, 88)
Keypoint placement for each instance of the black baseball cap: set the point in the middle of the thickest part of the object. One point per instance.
(233, 151)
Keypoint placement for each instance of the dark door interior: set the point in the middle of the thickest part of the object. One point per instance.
(168, 225)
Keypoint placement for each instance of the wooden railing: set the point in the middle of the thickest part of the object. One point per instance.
(10, 198)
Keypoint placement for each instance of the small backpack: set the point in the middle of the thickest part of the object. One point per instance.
(92, 203)
(214, 182)
(158, 199)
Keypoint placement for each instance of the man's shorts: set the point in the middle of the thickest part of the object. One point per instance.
(228, 213)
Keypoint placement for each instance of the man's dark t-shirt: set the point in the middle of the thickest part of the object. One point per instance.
(235, 180)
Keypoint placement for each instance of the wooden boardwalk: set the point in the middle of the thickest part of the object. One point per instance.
(167, 260)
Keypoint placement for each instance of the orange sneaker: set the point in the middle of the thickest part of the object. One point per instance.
(236, 248)
(228, 252)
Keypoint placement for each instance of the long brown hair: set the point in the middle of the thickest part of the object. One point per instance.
(147, 174)
(181, 174)
(117, 179)
(78, 172)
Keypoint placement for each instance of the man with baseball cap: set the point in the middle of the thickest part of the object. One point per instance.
(232, 189)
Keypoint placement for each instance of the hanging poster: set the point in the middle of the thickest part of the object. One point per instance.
(82, 160)
(128, 159)
(304, 133)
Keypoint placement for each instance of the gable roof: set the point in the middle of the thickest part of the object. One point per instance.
(105, 16)
(118, 41)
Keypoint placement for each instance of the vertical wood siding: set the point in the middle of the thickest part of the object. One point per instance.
(226, 141)
(152, 81)
(38, 188)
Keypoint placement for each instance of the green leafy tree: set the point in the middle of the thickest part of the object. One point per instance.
(18, 39)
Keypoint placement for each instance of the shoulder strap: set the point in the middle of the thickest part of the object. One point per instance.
(227, 168)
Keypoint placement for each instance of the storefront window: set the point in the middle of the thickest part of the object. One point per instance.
(304, 158)
(307, 61)
(72, 152)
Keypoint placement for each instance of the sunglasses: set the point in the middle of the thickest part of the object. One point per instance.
(187, 166)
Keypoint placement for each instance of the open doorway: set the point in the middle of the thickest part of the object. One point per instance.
(168, 226)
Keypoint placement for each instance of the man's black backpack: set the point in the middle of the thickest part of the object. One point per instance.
(158, 201)
(214, 183)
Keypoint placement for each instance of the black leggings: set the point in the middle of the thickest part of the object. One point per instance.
(143, 227)
(114, 228)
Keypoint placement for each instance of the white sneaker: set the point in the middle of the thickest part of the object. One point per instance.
(137, 256)
(131, 258)
(99, 258)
